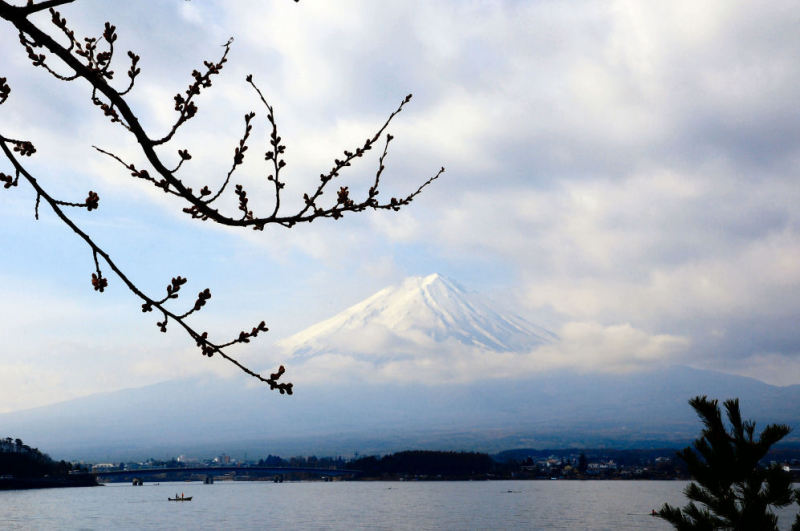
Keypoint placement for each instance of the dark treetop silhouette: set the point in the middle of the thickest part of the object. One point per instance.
(736, 492)
(90, 59)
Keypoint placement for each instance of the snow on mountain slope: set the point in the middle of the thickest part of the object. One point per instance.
(419, 315)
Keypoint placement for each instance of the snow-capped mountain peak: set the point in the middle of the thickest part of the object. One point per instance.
(419, 314)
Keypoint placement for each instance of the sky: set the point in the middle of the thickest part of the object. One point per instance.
(622, 173)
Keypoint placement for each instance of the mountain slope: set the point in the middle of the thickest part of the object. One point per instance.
(207, 416)
(420, 314)
(379, 410)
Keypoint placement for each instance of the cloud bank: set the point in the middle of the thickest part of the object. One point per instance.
(607, 163)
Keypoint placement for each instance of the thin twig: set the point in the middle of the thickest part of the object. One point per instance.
(201, 338)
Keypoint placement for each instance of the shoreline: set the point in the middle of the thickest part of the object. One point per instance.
(73, 480)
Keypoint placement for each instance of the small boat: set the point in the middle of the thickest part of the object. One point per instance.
(182, 498)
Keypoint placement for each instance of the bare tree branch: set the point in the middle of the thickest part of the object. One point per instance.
(91, 59)
(96, 71)
(99, 282)
(31, 8)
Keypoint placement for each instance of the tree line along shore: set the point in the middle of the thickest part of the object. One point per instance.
(24, 467)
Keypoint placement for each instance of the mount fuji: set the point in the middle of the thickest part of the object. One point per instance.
(392, 338)
(417, 316)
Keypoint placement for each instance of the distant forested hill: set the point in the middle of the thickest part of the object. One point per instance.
(23, 467)
(426, 463)
(20, 460)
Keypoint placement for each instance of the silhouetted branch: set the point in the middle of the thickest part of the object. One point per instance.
(99, 282)
(238, 158)
(95, 68)
(31, 8)
(91, 59)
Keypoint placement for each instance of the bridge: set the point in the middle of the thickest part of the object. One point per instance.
(211, 471)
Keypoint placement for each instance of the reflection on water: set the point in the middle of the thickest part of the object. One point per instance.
(349, 505)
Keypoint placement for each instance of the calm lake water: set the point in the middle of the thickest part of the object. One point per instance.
(349, 505)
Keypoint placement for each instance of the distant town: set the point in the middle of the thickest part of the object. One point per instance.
(418, 465)
(22, 466)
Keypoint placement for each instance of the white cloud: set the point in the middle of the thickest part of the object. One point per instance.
(582, 346)
(614, 163)
(191, 13)
(776, 369)
(590, 346)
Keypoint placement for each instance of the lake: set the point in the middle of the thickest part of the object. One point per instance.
(349, 505)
